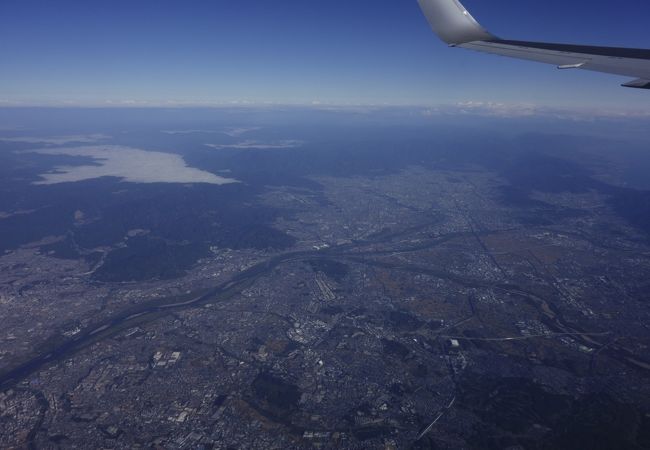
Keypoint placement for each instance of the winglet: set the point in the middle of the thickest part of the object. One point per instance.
(453, 23)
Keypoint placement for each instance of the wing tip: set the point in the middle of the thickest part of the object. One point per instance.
(451, 21)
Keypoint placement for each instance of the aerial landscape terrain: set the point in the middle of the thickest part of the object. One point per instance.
(316, 277)
(295, 225)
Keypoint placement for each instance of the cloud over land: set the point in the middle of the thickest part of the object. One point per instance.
(129, 164)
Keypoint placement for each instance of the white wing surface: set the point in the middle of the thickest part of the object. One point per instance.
(455, 25)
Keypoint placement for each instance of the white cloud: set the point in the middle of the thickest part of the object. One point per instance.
(58, 140)
(516, 110)
(249, 145)
(498, 109)
(6, 102)
(174, 132)
(236, 132)
(232, 132)
(128, 102)
(129, 164)
(22, 212)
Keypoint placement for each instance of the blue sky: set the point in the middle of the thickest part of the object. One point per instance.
(299, 52)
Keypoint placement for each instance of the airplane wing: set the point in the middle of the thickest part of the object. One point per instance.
(456, 26)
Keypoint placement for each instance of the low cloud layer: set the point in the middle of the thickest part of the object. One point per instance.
(518, 110)
(129, 164)
(236, 132)
(247, 145)
(232, 132)
(182, 132)
(58, 140)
